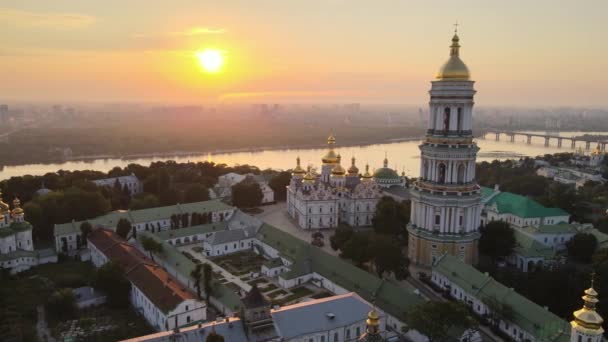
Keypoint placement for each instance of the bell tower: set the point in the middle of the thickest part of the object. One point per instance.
(446, 200)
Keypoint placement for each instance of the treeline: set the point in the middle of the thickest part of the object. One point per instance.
(74, 196)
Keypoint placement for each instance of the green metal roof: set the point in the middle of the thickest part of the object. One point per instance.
(15, 228)
(528, 247)
(143, 215)
(507, 202)
(306, 258)
(540, 322)
(188, 231)
(386, 173)
(560, 228)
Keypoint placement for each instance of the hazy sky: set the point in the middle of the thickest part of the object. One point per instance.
(520, 53)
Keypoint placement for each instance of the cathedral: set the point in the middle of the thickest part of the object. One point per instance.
(16, 246)
(337, 195)
(446, 200)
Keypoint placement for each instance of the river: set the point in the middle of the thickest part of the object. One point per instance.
(402, 156)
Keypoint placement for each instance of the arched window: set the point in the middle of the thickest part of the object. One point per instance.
(461, 170)
(441, 178)
(446, 120)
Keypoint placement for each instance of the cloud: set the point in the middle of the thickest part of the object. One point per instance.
(56, 20)
(194, 31)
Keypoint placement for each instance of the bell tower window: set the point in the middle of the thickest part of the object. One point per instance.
(446, 120)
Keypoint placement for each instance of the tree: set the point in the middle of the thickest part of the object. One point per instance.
(196, 193)
(196, 274)
(214, 337)
(356, 249)
(247, 194)
(435, 319)
(497, 240)
(342, 234)
(279, 184)
(144, 201)
(110, 279)
(151, 246)
(391, 216)
(600, 258)
(385, 254)
(62, 304)
(581, 247)
(207, 278)
(85, 229)
(123, 228)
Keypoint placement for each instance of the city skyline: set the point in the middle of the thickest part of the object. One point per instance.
(335, 51)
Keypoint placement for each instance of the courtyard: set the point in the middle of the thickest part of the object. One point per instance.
(241, 271)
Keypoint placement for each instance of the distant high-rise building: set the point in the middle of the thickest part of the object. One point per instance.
(446, 200)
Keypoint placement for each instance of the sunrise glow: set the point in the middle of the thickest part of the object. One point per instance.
(210, 60)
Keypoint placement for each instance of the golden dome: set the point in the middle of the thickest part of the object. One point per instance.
(309, 177)
(331, 139)
(298, 170)
(597, 151)
(353, 170)
(366, 177)
(331, 157)
(587, 319)
(338, 170)
(17, 207)
(3, 206)
(454, 69)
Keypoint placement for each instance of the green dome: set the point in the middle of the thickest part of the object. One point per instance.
(386, 173)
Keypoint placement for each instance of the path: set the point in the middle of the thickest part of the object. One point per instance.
(41, 326)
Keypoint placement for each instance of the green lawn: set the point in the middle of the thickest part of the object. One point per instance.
(296, 293)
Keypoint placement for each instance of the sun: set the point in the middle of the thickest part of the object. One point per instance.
(211, 60)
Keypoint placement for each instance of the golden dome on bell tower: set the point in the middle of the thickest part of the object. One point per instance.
(454, 69)
(586, 320)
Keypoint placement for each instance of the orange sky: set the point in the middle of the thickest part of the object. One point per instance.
(520, 52)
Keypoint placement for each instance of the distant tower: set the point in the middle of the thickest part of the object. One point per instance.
(446, 200)
(587, 323)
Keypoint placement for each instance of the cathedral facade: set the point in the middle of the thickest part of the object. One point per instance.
(337, 195)
(446, 200)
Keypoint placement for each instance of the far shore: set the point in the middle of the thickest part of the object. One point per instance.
(168, 155)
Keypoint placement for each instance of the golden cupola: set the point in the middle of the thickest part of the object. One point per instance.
(298, 170)
(353, 170)
(17, 207)
(330, 157)
(367, 176)
(338, 170)
(309, 177)
(372, 332)
(597, 151)
(3, 206)
(586, 320)
(454, 69)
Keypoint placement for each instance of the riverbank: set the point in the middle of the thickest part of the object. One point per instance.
(182, 154)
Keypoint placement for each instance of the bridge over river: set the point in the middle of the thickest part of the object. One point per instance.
(511, 135)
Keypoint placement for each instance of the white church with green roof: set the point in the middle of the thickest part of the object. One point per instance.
(540, 232)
